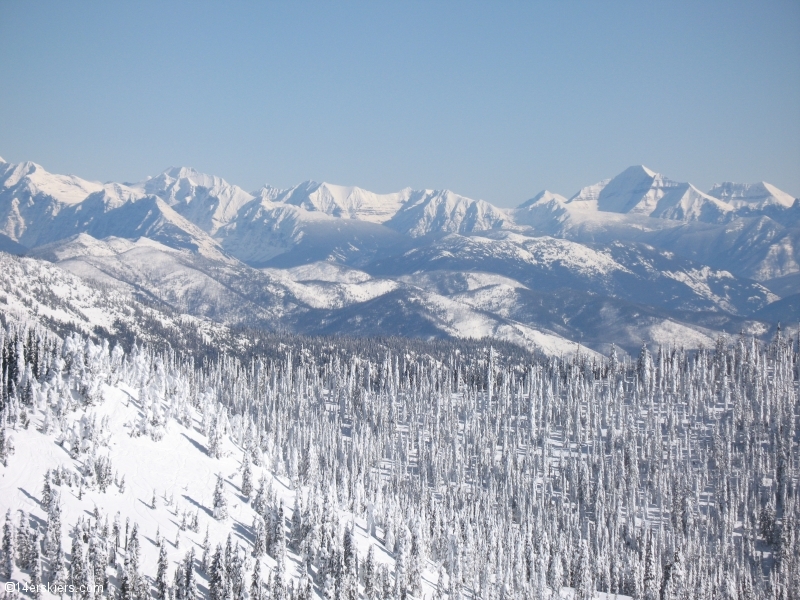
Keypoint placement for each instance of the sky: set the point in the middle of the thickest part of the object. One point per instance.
(492, 100)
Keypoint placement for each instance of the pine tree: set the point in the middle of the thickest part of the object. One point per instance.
(47, 490)
(134, 548)
(328, 589)
(296, 528)
(256, 584)
(220, 502)
(441, 589)
(116, 530)
(6, 446)
(401, 566)
(217, 579)
(98, 561)
(53, 536)
(247, 477)
(279, 582)
(127, 586)
(278, 533)
(672, 587)
(60, 575)
(260, 501)
(204, 561)
(24, 535)
(584, 584)
(8, 549)
(87, 590)
(415, 561)
(305, 589)
(77, 565)
(259, 537)
(190, 584)
(228, 559)
(162, 586)
(237, 577)
(349, 578)
(179, 583)
(652, 572)
(36, 567)
(370, 589)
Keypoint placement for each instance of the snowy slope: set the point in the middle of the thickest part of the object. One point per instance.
(83, 468)
(32, 200)
(432, 211)
(227, 294)
(207, 201)
(462, 472)
(216, 288)
(159, 496)
(37, 208)
(36, 291)
(684, 202)
(343, 201)
(751, 195)
(267, 233)
(757, 247)
(196, 244)
(633, 272)
(640, 191)
(543, 197)
(593, 319)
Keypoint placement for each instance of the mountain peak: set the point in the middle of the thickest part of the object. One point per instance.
(348, 202)
(636, 190)
(761, 194)
(649, 172)
(181, 172)
(543, 197)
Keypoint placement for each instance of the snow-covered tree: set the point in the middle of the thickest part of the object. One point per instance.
(220, 501)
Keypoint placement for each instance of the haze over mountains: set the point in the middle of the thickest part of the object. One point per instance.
(637, 258)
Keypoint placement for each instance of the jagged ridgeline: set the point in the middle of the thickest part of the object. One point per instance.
(378, 471)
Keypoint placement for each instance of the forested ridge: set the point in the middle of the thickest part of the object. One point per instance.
(481, 473)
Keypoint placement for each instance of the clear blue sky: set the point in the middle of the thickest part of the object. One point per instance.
(492, 100)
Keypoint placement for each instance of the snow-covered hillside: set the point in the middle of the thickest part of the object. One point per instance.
(388, 473)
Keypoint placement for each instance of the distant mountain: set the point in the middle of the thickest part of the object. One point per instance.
(751, 195)
(640, 191)
(634, 272)
(179, 282)
(786, 312)
(445, 212)
(750, 230)
(267, 233)
(342, 201)
(632, 258)
(207, 201)
(38, 208)
(543, 197)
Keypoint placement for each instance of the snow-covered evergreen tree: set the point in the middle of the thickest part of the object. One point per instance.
(220, 500)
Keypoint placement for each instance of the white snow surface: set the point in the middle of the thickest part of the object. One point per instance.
(348, 202)
(328, 271)
(206, 200)
(66, 189)
(433, 211)
(33, 289)
(187, 479)
(758, 195)
(543, 197)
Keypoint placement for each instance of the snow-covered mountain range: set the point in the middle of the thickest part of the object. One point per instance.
(635, 258)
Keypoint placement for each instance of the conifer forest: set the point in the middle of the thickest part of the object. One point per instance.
(387, 469)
